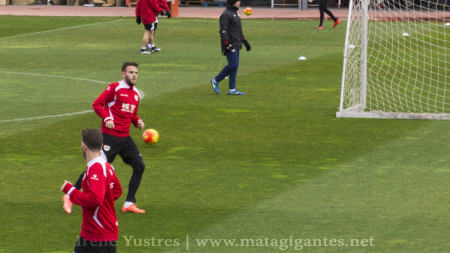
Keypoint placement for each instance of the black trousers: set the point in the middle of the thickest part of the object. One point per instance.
(84, 246)
(325, 10)
(129, 152)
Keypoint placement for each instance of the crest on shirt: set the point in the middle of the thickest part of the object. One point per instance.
(136, 97)
(106, 147)
(94, 177)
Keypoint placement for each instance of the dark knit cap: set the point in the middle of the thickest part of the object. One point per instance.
(231, 2)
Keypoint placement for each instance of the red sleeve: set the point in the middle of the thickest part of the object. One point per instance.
(97, 189)
(99, 104)
(163, 4)
(117, 190)
(154, 5)
(138, 8)
(135, 116)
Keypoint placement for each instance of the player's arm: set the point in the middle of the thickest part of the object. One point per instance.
(137, 122)
(138, 9)
(225, 21)
(97, 186)
(154, 5)
(246, 44)
(163, 5)
(99, 103)
(138, 12)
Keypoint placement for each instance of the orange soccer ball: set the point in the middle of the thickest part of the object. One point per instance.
(248, 11)
(150, 136)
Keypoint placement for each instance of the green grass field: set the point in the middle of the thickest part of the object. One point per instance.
(266, 169)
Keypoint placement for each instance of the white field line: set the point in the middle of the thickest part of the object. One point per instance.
(59, 115)
(46, 117)
(59, 29)
(50, 116)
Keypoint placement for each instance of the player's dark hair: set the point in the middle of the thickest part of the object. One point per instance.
(129, 63)
(92, 138)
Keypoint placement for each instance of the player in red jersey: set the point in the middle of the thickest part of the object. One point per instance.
(166, 11)
(146, 12)
(117, 106)
(99, 230)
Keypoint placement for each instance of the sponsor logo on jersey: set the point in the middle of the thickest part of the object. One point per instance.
(128, 108)
(136, 97)
(106, 147)
(94, 177)
(123, 95)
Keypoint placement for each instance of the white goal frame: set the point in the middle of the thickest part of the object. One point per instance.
(359, 108)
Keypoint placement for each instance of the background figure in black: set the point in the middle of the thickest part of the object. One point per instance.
(322, 9)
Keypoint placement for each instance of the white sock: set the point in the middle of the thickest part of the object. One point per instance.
(153, 45)
(142, 48)
(127, 204)
(232, 90)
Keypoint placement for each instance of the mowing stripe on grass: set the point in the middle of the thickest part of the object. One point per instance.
(68, 77)
(59, 29)
(46, 117)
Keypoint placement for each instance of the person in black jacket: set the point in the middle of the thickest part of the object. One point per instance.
(322, 9)
(231, 38)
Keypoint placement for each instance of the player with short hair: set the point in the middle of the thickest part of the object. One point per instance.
(117, 106)
(323, 9)
(231, 40)
(100, 229)
(146, 12)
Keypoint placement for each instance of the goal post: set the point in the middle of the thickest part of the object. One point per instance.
(396, 60)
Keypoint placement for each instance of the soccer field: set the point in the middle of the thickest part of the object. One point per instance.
(271, 171)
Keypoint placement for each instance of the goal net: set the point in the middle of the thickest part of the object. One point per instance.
(396, 60)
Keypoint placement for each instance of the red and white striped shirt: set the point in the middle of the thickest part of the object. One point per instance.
(100, 189)
(119, 102)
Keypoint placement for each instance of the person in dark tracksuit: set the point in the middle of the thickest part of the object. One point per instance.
(231, 38)
(323, 8)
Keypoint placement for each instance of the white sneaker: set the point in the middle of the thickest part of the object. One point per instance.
(154, 49)
(145, 52)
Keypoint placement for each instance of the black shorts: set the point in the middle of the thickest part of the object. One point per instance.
(122, 146)
(84, 246)
(150, 26)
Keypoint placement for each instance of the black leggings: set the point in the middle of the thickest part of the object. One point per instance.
(322, 10)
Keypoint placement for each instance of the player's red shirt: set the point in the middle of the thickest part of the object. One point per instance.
(147, 10)
(119, 102)
(100, 189)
